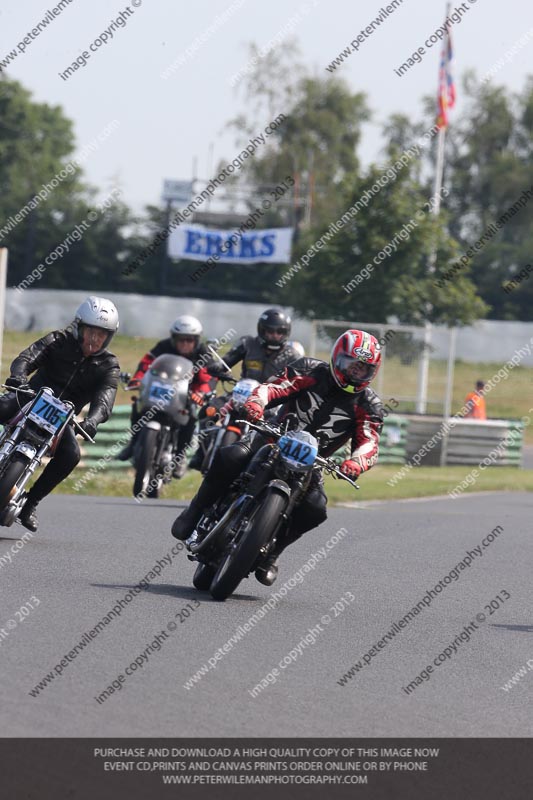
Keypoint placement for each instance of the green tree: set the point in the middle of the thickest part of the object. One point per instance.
(317, 141)
(489, 164)
(35, 141)
(351, 277)
(36, 149)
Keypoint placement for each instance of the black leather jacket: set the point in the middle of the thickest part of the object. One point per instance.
(258, 362)
(58, 362)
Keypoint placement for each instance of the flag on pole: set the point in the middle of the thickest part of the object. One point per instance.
(446, 99)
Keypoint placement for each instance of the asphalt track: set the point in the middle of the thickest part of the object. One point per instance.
(90, 551)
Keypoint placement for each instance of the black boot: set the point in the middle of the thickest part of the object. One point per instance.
(267, 572)
(187, 521)
(126, 452)
(180, 465)
(197, 460)
(27, 516)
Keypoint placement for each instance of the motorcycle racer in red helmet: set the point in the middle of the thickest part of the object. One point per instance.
(355, 360)
(332, 400)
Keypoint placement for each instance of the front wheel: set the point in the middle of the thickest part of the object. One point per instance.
(243, 555)
(10, 477)
(145, 484)
(203, 577)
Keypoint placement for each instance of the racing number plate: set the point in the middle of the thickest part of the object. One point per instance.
(299, 454)
(159, 391)
(49, 413)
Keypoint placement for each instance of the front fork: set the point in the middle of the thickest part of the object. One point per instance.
(33, 465)
(8, 440)
(295, 491)
(17, 499)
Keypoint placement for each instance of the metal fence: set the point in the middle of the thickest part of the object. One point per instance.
(113, 435)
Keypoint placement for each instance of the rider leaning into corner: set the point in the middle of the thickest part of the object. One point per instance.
(332, 400)
(184, 340)
(76, 365)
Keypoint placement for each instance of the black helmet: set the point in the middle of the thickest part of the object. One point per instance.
(270, 325)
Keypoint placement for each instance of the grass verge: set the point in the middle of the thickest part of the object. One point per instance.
(419, 482)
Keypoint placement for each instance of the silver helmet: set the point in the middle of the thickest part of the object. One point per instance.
(98, 312)
(297, 347)
(186, 326)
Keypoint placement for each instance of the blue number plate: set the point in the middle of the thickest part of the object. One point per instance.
(299, 451)
(160, 392)
(49, 413)
(242, 391)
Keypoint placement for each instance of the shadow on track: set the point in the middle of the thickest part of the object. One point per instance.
(173, 590)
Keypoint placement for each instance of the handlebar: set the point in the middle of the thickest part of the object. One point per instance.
(332, 469)
(216, 355)
(327, 464)
(79, 429)
(26, 389)
(125, 379)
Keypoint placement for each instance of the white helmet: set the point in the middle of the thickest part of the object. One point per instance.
(186, 326)
(99, 312)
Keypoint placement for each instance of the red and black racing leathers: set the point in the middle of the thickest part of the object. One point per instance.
(308, 390)
(205, 365)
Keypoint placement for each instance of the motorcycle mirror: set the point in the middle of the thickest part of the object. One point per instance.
(291, 422)
(322, 438)
(213, 343)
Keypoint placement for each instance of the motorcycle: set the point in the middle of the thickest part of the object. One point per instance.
(229, 431)
(241, 529)
(33, 433)
(163, 407)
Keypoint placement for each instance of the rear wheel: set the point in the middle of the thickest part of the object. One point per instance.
(243, 555)
(203, 577)
(145, 469)
(9, 478)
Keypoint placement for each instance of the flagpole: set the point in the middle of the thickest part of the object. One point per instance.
(439, 169)
(423, 366)
(439, 173)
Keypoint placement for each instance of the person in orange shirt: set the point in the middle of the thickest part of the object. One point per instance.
(475, 403)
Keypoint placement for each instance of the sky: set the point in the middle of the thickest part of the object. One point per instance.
(166, 123)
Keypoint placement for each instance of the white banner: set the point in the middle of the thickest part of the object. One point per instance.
(195, 242)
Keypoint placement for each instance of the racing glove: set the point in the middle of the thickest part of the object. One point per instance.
(351, 469)
(89, 427)
(15, 381)
(253, 411)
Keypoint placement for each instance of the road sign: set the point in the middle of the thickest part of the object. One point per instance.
(177, 191)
